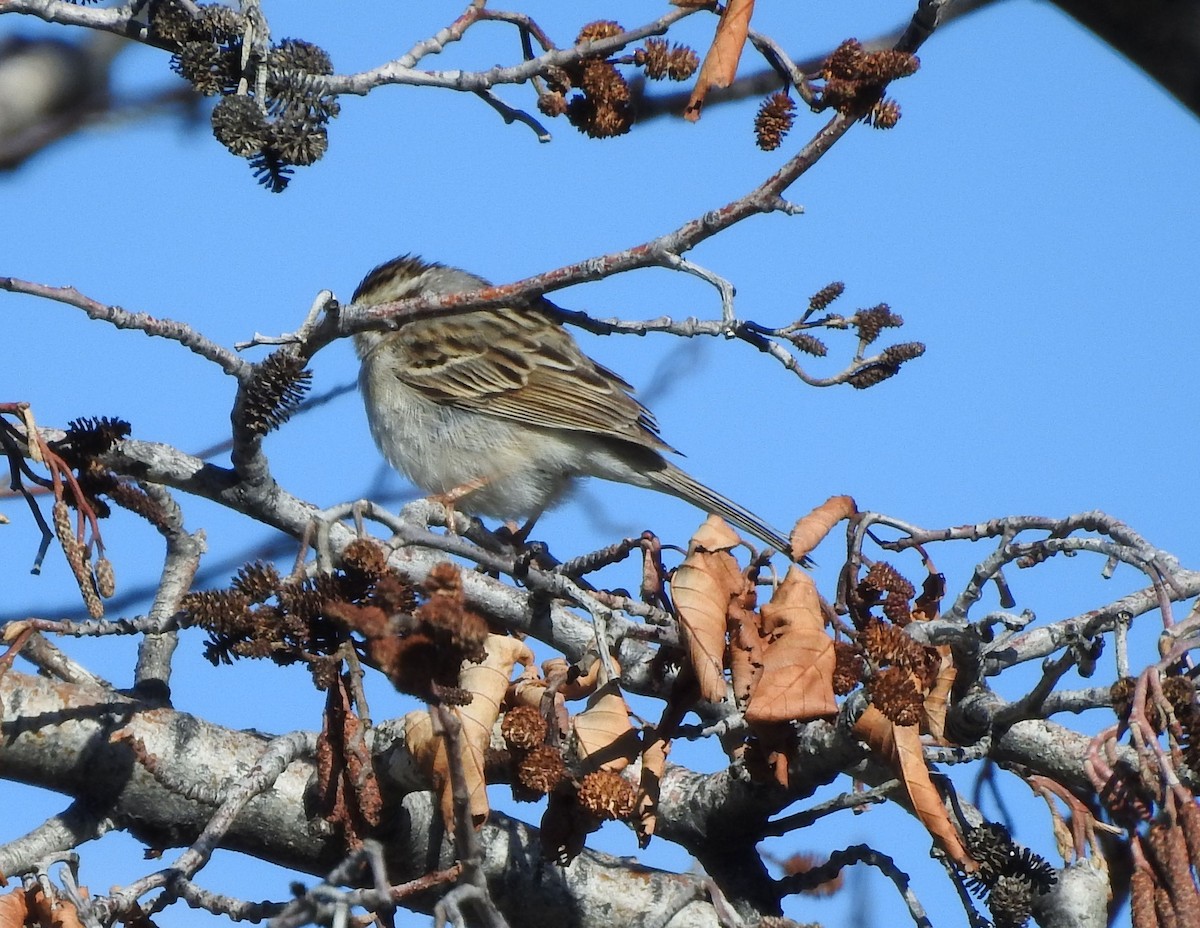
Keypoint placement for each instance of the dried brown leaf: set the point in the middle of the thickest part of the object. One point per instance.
(654, 764)
(937, 702)
(720, 64)
(13, 910)
(487, 682)
(703, 587)
(714, 534)
(901, 747)
(746, 644)
(929, 603)
(32, 907)
(811, 529)
(799, 659)
(529, 689)
(603, 734)
(585, 684)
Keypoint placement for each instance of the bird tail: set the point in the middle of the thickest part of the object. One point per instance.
(679, 483)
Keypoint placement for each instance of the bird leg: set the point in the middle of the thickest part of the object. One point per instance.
(454, 494)
(521, 535)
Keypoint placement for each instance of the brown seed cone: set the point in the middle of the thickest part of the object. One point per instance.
(848, 670)
(659, 60)
(883, 577)
(1121, 694)
(524, 728)
(603, 82)
(871, 322)
(905, 351)
(542, 769)
(883, 642)
(366, 557)
(871, 375)
(552, 104)
(845, 62)
(896, 607)
(884, 114)
(826, 295)
(607, 795)
(1011, 902)
(894, 692)
(887, 65)
(774, 120)
(600, 29)
(1180, 693)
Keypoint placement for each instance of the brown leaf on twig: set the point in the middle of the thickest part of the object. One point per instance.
(714, 534)
(720, 64)
(13, 910)
(487, 682)
(938, 699)
(654, 764)
(604, 737)
(746, 644)
(32, 907)
(927, 606)
(530, 689)
(703, 587)
(811, 530)
(583, 685)
(798, 661)
(900, 745)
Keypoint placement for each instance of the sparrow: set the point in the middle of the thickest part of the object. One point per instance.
(498, 412)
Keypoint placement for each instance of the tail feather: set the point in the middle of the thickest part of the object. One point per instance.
(672, 480)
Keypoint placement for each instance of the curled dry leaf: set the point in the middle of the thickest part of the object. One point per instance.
(32, 907)
(901, 746)
(585, 684)
(811, 530)
(714, 534)
(604, 737)
(798, 660)
(746, 643)
(937, 701)
(529, 689)
(720, 64)
(927, 605)
(654, 764)
(488, 682)
(703, 587)
(13, 910)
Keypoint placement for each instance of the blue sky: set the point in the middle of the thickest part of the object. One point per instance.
(1033, 217)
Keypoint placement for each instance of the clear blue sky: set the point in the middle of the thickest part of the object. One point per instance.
(1033, 217)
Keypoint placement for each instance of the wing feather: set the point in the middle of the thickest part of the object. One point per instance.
(523, 366)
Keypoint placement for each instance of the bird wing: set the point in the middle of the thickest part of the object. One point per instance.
(524, 366)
